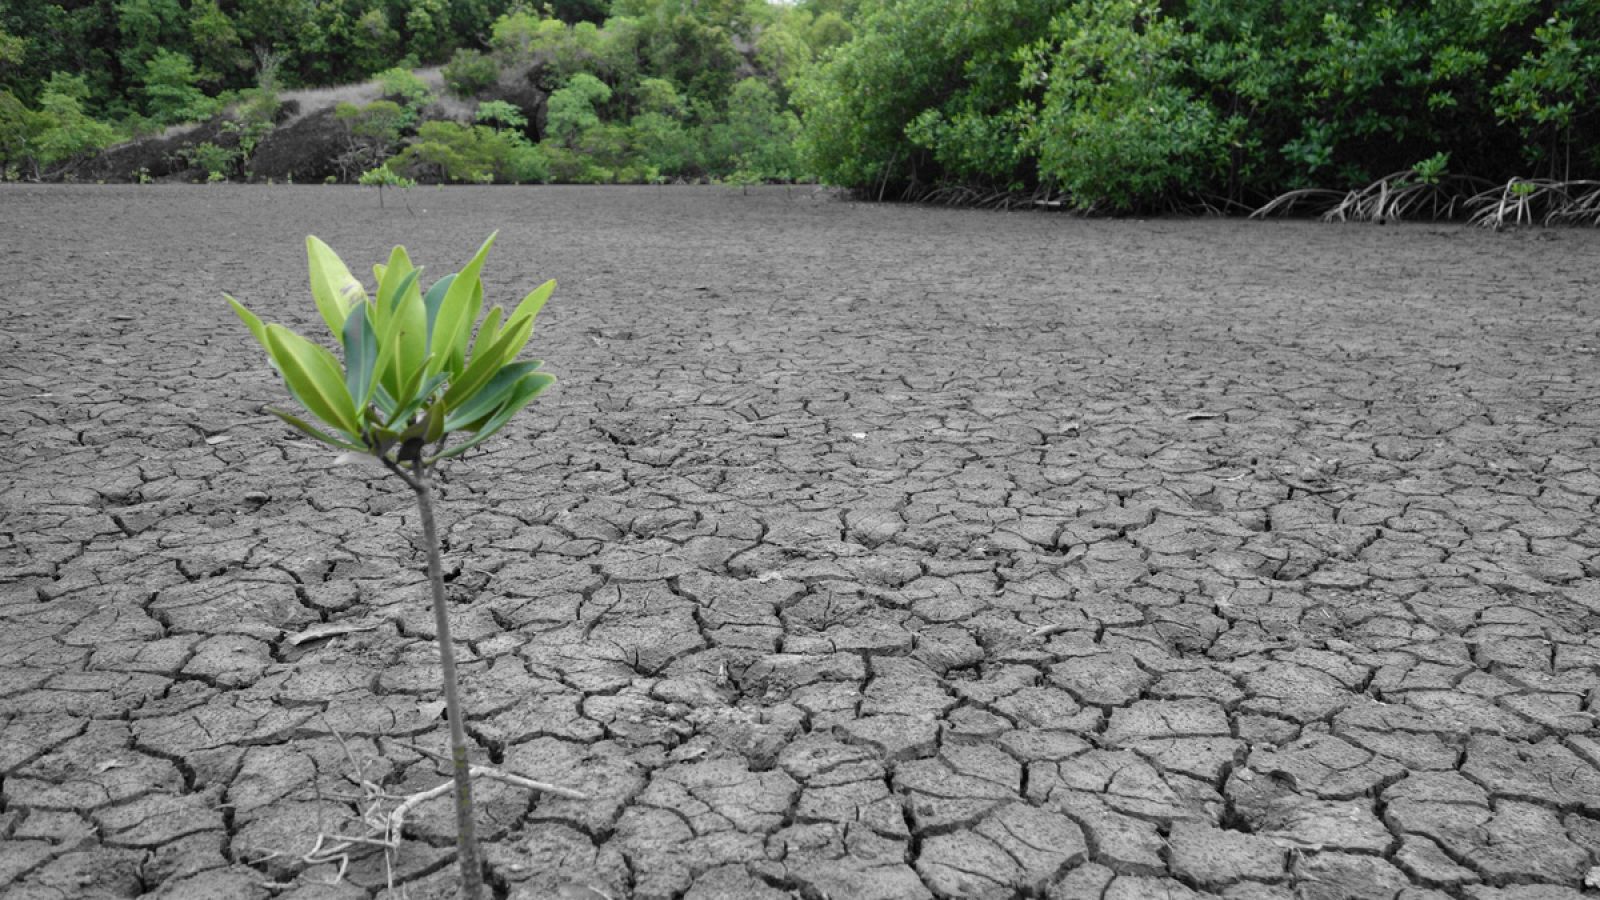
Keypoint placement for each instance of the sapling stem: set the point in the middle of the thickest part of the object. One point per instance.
(466, 832)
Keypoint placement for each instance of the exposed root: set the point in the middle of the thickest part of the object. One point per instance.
(1392, 198)
(380, 830)
(1406, 195)
(1528, 201)
(384, 831)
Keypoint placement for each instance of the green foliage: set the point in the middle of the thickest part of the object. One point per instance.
(1432, 169)
(500, 115)
(828, 30)
(671, 68)
(375, 131)
(170, 90)
(145, 30)
(378, 124)
(658, 95)
(427, 25)
(470, 72)
(571, 110)
(1126, 104)
(1115, 124)
(475, 154)
(216, 161)
(20, 131)
(1552, 86)
(374, 41)
(58, 132)
(383, 176)
(959, 59)
(662, 143)
(519, 35)
(216, 45)
(412, 376)
(13, 49)
(783, 53)
(757, 140)
(404, 86)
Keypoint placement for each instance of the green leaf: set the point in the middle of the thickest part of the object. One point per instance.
(486, 363)
(529, 309)
(315, 432)
(433, 299)
(528, 388)
(424, 393)
(489, 329)
(535, 301)
(250, 321)
(314, 377)
(458, 354)
(404, 334)
(360, 357)
(456, 310)
(386, 324)
(428, 428)
(384, 400)
(406, 396)
(491, 396)
(391, 274)
(332, 286)
(405, 286)
(435, 420)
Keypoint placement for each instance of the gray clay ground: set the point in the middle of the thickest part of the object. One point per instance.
(861, 552)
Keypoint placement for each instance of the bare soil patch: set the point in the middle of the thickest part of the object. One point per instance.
(861, 552)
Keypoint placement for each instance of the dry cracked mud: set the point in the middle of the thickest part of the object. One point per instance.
(861, 552)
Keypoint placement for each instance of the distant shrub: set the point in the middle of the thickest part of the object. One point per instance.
(571, 110)
(170, 91)
(500, 115)
(58, 132)
(382, 177)
(408, 90)
(374, 133)
(446, 151)
(215, 160)
(469, 73)
(518, 35)
(377, 125)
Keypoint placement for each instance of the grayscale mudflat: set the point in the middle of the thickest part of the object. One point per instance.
(861, 552)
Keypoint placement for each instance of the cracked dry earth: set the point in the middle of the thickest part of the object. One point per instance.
(861, 552)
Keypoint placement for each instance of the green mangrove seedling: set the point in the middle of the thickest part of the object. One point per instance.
(413, 377)
(382, 177)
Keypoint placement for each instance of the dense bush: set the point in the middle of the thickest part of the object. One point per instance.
(469, 72)
(1108, 104)
(34, 140)
(641, 90)
(446, 151)
(1133, 103)
(1115, 122)
(171, 90)
(405, 89)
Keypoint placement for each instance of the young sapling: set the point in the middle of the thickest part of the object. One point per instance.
(413, 377)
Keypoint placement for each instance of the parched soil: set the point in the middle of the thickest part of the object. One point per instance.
(861, 552)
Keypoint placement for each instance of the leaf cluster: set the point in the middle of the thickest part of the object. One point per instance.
(413, 373)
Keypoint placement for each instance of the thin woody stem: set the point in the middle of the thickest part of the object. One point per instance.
(466, 833)
(399, 472)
